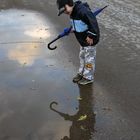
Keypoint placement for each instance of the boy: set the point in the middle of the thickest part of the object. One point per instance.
(85, 27)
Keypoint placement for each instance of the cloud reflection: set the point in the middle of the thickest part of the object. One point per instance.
(37, 33)
(25, 54)
(24, 28)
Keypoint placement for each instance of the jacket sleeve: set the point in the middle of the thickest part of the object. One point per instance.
(88, 17)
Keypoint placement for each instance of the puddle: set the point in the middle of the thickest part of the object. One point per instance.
(33, 77)
(24, 35)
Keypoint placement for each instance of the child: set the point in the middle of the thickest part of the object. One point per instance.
(85, 27)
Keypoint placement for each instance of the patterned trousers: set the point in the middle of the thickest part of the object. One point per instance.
(87, 58)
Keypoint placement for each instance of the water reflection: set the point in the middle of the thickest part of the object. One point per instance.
(83, 121)
(38, 32)
(24, 54)
(23, 34)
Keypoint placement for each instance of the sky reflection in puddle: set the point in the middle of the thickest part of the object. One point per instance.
(23, 34)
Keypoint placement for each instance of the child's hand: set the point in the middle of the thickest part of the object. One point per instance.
(89, 40)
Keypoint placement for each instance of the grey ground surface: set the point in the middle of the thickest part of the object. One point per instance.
(31, 76)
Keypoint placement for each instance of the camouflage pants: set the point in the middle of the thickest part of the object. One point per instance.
(87, 58)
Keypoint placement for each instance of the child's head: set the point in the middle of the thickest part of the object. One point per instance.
(65, 6)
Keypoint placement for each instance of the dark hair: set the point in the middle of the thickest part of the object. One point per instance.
(61, 3)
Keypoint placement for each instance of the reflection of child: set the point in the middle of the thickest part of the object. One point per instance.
(83, 120)
(85, 27)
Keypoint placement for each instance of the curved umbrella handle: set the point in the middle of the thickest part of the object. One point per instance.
(52, 42)
(51, 47)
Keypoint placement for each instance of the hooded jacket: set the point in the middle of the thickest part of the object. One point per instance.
(84, 24)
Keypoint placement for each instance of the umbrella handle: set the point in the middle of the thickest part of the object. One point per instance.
(52, 42)
(51, 47)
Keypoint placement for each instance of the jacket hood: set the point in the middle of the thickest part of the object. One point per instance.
(79, 5)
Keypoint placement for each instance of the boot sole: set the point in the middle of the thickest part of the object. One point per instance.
(76, 81)
(90, 82)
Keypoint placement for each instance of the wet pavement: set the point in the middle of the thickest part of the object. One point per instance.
(38, 100)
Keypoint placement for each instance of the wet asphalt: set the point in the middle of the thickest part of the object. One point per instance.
(39, 101)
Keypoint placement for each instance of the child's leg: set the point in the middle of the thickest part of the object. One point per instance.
(82, 59)
(89, 67)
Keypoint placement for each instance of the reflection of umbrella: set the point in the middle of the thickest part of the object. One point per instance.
(66, 116)
(67, 30)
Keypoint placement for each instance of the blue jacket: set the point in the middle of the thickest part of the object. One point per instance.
(84, 24)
